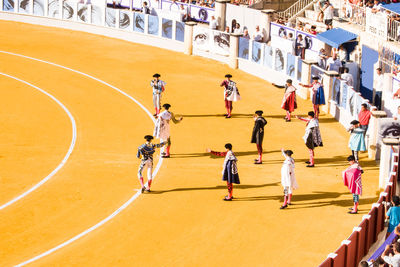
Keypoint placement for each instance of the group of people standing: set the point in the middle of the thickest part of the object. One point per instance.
(312, 139)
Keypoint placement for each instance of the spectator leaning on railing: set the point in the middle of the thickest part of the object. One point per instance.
(378, 87)
(347, 77)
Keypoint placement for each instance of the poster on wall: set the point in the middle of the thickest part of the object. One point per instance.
(388, 128)
(290, 65)
(200, 13)
(201, 38)
(166, 28)
(125, 19)
(8, 5)
(256, 52)
(153, 25)
(299, 67)
(38, 7)
(97, 15)
(244, 48)
(376, 23)
(180, 31)
(110, 17)
(221, 43)
(268, 56)
(343, 101)
(138, 22)
(24, 6)
(279, 62)
(336, 90)
(69, 9)
(282, 31)
(53, 8)
(83, 13)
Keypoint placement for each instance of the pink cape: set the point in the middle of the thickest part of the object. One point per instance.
(352, 179)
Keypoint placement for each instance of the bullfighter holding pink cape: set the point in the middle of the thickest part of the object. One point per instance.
(352, 179)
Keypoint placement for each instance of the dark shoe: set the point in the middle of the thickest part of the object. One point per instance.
(155, 115)
(143, 188)
(310, 166)
(308, 162)
(227, 198)
(148, 190)
(227, 117)
(165, 156)
(350, 208)
(352, 212)
(258, 162)
(289, 203)
(283, 207)
(288, 120)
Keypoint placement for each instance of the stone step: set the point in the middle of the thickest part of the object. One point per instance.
(321, 27)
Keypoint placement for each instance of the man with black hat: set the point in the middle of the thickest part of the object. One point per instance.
(312, 137)
(158, 87)
(317, 97)
(145, 153)
(258, 134)
(231, 93)
(289, 99)
(161, 129)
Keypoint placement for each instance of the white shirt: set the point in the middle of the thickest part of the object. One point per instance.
(348, 78)
(378, 83)
(328, 12)
(394, 260)
(213, 24)
(333, 64)
(258, 36)
(236, 30)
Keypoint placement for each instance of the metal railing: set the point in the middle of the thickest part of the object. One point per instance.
(393, 30)
(352, 13)
(295, 9)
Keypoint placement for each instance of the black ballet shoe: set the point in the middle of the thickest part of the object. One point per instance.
(289, 203)
(310, 166)
(288, 120)
(352, 212)
(227, 198)
(308, 162)
(165, 156)
(148, 190)
(228, 117)
(283, 207)
(258, 162)
(143, 188)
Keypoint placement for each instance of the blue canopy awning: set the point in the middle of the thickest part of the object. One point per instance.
(336, 37)
(394, 7)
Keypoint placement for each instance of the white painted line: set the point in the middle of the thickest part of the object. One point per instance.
(71, 146)
(126, 204)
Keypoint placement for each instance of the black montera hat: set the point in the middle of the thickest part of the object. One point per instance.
(156, 75)
(259, 112)
(354, 122)
(315, 78)
(166, 106)
(289, 81)
(148, 137)
(228, 76)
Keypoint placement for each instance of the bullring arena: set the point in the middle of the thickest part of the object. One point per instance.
(74, 108)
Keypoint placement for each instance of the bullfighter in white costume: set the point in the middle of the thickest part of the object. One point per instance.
(162, 129)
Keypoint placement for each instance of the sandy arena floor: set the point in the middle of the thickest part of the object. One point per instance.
(184, 222)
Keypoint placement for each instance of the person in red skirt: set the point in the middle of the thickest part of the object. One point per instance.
(289, 100)
(230, 171)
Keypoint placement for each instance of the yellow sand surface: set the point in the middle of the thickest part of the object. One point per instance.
(184, 221)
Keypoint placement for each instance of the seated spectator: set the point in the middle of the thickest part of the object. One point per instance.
(290, 36)
(145, 8)
(289, 23)
(347, 77)
(377, 7)
(246, 34)
(333, 64)
(322, 58)
(116, 3)
(237, 29)
(363, 264)
(227, 30)
(393, 214)
(313, 30)
(213, 23)
(394, 256)
(300, 26)
(328, 14)
(258, 37)
(300, 46)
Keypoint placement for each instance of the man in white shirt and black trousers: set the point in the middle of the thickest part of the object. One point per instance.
(378, 87)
